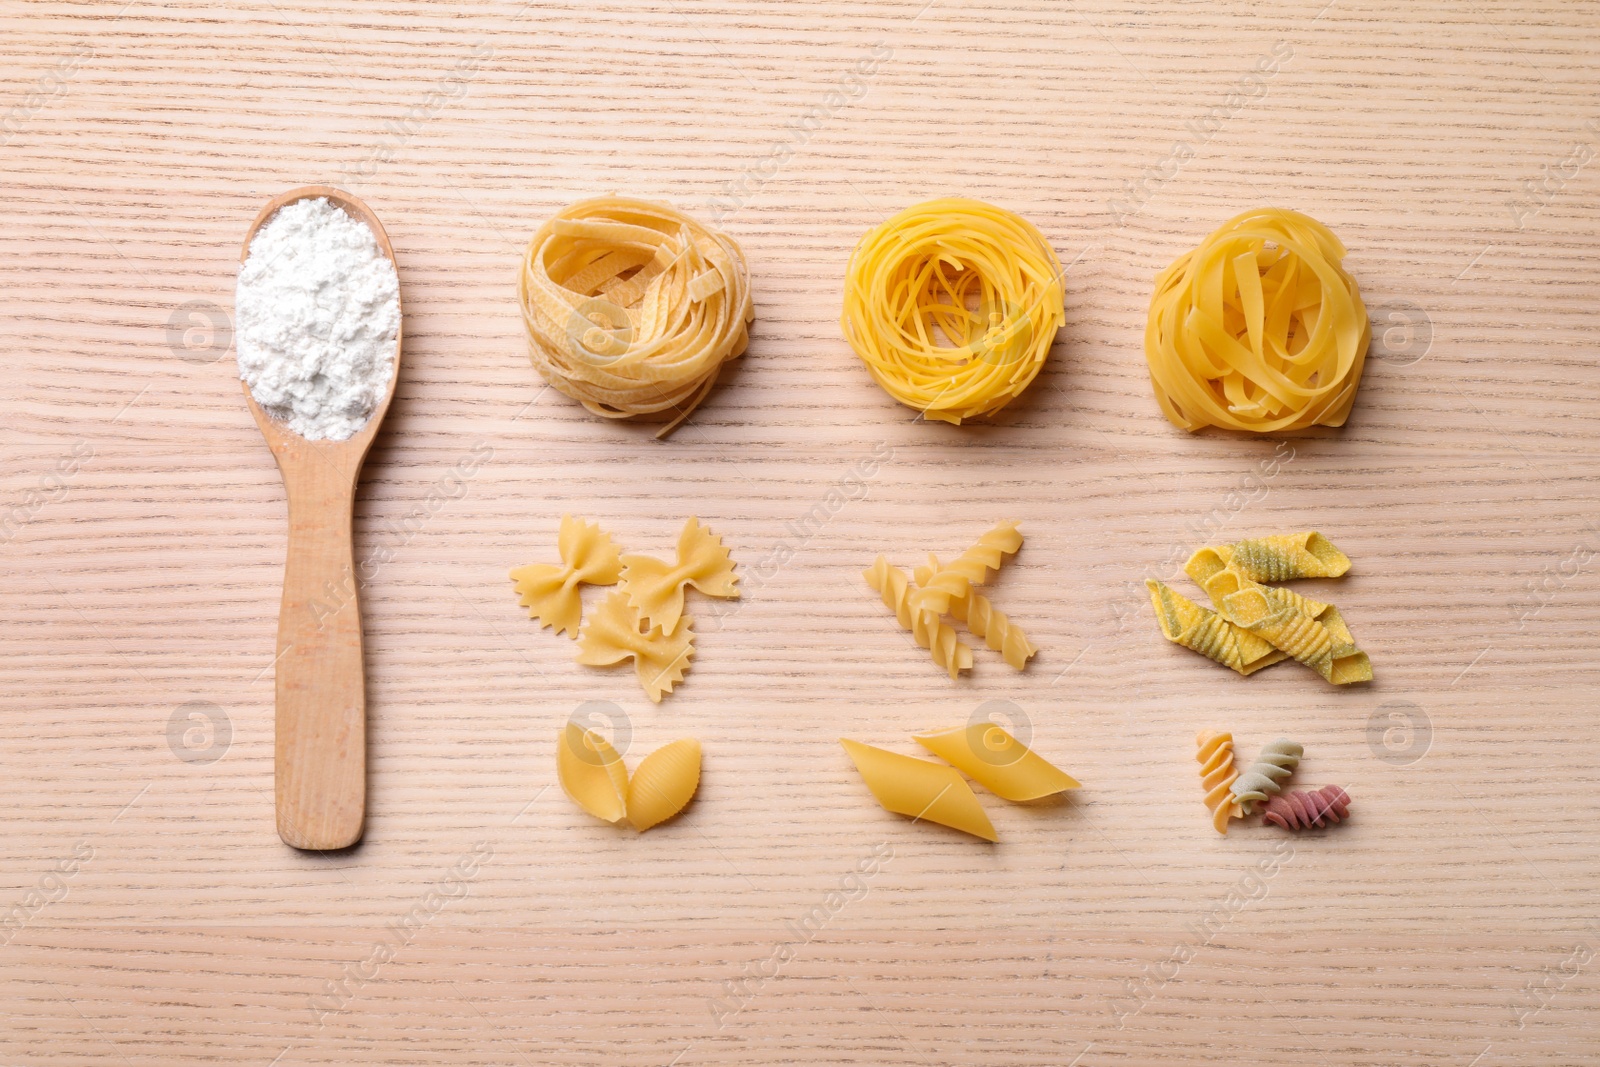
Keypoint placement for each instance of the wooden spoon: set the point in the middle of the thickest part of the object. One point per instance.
(321, 725)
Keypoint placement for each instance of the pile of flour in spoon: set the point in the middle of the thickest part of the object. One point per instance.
(317, 311)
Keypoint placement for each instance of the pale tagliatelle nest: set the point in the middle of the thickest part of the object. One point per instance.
(1259, 328)
(633, 307)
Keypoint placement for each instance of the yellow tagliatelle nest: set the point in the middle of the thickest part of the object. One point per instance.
(953, 306)
(1259, 328)
(632, 307)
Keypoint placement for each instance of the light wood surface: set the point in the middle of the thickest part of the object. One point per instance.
(320, 705)
(156, 919)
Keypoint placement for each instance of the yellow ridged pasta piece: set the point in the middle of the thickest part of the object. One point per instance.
(908, 286)
(613, 635)
(1220, 580)
(1199, 629)
(1000, 763)
(633, 307)
(1303, 638)
(927, 629)
(1284, 557)
(985, 621)
(1344, 644)
(550, 591)
(1260, 328)
(1217, 774)
(970, 568)
(591, 772)
(663, 783)
(927, 791)
(655, 588)
(1265, 777)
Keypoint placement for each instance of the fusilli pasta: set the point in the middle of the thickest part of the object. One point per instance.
(927, 629)
(985, 621)
(1300, 809)
(1217, 774)
(1265, 777)
(970, 568)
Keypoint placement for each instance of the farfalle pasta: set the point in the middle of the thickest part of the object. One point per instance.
(920, 789)
(1260, 328)
(927, 629)
(1265, 777)
(613, 634)
(1217, 775)
(550, 591)
(990, 756)
(655, 588)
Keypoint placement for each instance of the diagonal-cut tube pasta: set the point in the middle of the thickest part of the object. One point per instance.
(655, 588)
(997, 761)
(591, 772)
(550, 591)
(923, 790)
(1186, 623)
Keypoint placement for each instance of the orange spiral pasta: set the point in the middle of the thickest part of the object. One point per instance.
(633, 307)
(1299, 809)
(906, 314)
(1259, 328)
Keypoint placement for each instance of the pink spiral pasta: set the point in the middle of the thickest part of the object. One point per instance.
(1299, 809)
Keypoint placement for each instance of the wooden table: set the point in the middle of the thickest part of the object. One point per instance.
(157, 920)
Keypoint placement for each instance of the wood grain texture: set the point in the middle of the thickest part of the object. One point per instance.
(148, 912)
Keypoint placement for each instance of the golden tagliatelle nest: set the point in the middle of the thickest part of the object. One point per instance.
(953, 306)
(1259, 328)
(633, 307)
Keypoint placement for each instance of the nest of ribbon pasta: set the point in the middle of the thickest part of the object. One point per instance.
(953, 306)
(632, 307)
(1259, 328)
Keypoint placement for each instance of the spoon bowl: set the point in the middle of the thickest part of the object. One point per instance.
(320, 722)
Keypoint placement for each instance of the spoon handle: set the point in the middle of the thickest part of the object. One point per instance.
(321, 769)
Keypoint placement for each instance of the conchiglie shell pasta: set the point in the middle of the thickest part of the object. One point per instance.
(591, 772)
(663, 783)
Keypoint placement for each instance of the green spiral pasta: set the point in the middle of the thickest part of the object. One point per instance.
(1265, 777)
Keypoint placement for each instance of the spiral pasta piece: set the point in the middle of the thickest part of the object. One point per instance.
(970, 568)
(1300, 809)
(633, 307)
(985, 621)
(1217, 774)
(1265, 777)
(910, 280)
(927, 629)
(1259, 328)
(1183, 622)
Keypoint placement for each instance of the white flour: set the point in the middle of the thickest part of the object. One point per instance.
(317, 309)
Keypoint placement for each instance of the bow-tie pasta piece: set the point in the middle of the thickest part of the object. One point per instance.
(997, 761)
(927, 791)
(591, 772)
(663, 783)
(613, 635)
(655, 588)
(550, 591)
